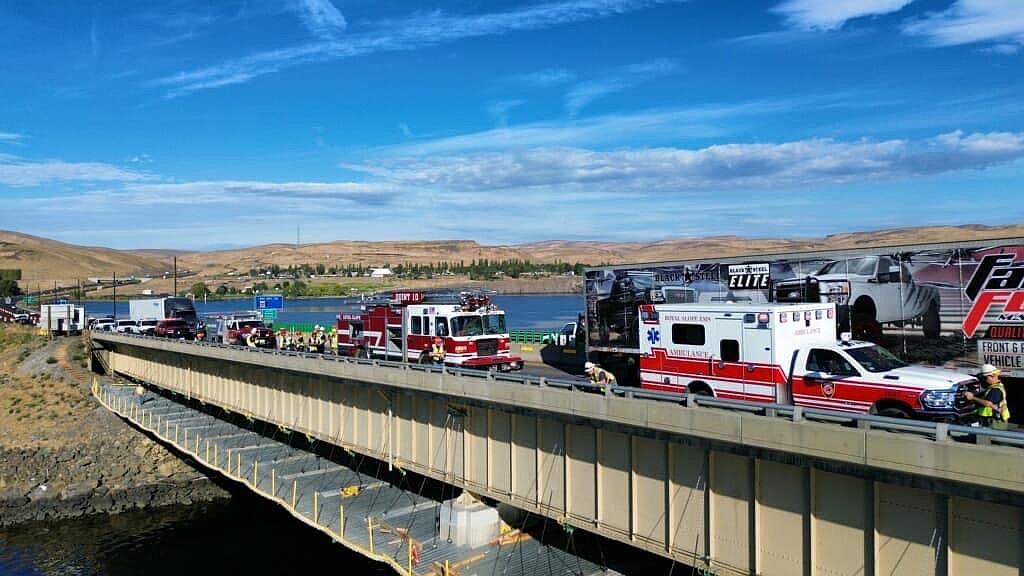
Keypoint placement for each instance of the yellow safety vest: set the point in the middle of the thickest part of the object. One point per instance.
(1004, 410)
(596, 375)
(437, 352)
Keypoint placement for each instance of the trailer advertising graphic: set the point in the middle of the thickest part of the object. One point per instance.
(997, 288)
(928, 303)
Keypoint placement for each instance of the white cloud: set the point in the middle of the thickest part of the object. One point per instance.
(832, 14)
(10, 137)
(970, 21)
(789, 165)
(19, 172)
(322, 18)
(617, 81)
(414, 32)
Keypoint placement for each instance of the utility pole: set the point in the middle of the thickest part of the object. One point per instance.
(175, 275)
(115, 300)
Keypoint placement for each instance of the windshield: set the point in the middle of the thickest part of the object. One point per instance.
(467, 326)
(494, 324)
(875, 358)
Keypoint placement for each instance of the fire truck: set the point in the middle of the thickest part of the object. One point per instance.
(789, 354)
(470, 326)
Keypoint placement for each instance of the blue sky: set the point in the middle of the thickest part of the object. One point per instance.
(199, 125)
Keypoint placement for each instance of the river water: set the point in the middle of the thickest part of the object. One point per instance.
(245, 535)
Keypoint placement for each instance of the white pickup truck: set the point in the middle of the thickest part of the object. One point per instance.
(868, 292)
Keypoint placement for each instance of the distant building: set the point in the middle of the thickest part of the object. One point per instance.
(380, 272)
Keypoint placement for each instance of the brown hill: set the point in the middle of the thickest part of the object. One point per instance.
(44, 262)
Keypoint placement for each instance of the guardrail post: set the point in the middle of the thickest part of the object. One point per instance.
(369, 529)
(982, 439)
(341, 521)
(864, 424)
(691, 399)
(798, 413)
(295, 493)
(941, 432)
(316, 508)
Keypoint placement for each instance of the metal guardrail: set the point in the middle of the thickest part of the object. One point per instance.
(532, 336)
(937, 431)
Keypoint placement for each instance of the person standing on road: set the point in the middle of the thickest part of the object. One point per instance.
(140, 394)
(992, 408)
(599, 376)
(437, 351)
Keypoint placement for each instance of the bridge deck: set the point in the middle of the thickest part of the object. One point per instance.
(371, 517)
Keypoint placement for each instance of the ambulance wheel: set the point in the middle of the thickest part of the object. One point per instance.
(891, 411)
(932, 324)
(360, 353)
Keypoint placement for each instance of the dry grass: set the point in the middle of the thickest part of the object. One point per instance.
(44, 261)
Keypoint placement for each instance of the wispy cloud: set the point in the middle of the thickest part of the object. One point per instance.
(414, 32)
(970, 21)
(799, 164)
(832, 14)
(322, 18)
(544, 78)
(10, 137)
(498, 111)
(617, 81)
(19, 172)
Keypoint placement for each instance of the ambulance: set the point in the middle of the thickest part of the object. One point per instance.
(789, 354)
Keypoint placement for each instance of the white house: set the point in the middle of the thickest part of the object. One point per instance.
(380, 272)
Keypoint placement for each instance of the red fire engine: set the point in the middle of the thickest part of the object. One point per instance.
(471, 327)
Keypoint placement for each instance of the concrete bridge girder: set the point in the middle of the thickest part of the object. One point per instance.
(741, 493)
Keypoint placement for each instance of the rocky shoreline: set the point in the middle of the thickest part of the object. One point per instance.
(62, 455)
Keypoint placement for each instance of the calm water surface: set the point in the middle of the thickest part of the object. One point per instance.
(245, 535)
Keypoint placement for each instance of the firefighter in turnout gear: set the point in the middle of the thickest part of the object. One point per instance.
(437, 351)
(599, 376)
(992, 408)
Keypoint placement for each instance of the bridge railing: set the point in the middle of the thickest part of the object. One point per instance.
(937, 431)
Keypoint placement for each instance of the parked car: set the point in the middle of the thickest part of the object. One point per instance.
(146, 327)
(126, 327)
(105, 324)
(173, 328)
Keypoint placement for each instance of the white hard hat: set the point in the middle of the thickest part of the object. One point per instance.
(588, 366)
(987, 369)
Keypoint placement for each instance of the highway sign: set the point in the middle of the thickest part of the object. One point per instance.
(60, 301)
(269, 302)
(269, 314)
(30, 299)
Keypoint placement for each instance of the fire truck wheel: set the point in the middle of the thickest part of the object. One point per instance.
(700, 389)
(361, 353)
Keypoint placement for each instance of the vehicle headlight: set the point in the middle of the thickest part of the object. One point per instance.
(938, 398)
(838, 293)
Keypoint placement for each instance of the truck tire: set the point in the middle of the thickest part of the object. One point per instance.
(700, 389)
(863, 324)
(892, 412)
(931, 324)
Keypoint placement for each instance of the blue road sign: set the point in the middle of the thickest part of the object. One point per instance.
(61, 301)
(270, 302)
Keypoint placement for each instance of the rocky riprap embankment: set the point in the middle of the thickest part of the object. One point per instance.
(63, 455)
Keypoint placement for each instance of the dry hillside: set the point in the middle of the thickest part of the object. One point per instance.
(44, 262)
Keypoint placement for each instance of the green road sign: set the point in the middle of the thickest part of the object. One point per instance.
(269, 313)
(30, 299)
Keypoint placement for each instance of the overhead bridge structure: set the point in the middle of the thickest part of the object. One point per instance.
(729, 487)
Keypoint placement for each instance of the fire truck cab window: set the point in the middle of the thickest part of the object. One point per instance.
(730, 350)
(467, 326)
(688, 334)
(417, 325)
(441, 327)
